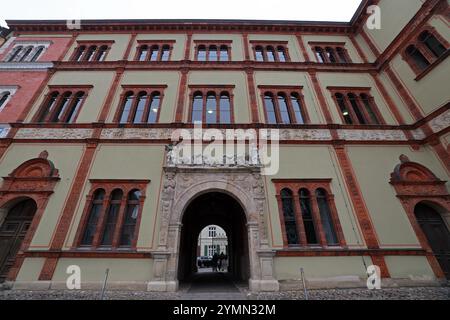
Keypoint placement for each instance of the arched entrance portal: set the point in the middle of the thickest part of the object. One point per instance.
(13, 230)
(437, 234)
(214, 208)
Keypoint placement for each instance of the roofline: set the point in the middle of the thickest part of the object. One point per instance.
(59, 25)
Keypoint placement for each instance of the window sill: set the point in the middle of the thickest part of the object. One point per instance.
(432, 66)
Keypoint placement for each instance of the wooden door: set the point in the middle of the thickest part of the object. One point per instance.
(12, 233)
(437, 234)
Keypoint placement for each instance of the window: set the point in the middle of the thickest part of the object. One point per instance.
(6, 94)
(140, 105)
(330, 52)
(213, 51)
(211, 105)
(356, 106)
(62, 104)
(308, 214)
(284, 105)
(271, 51)
(89, 51)
(112, 214)
(155, 50)
(428, 49)
(212, 232)
(27, 51)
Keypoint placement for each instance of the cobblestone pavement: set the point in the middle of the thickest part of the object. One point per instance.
(435, 293)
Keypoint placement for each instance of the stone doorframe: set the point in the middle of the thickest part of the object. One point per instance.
(181, 185)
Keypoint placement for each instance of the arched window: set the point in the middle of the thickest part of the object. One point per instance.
(225, 108)
(281, 54)
(344, 109)
(130, 220)
(342, 55)
(3, 98)
(212, 53)
(308, 221)
(165, 53)
(90, 53)
(154, 53)
(331, 55)
(284, 110)
(369, 109)
(37, 52)
(297, 108)
(126, 108)
(270, 108)
(358, 112)
(201, 54)
(270, 54)
(154, 108)
(61, 107)
(14, 54)
(224, 53)
(75, 107)
(26, 53)
(432, 43)
(143, 51)
(290, 222)
(320, 55)
(79, 54)
(197, 107)
(140, 108)
(111, 217)
(48, 108)
(259, 53)
(94, 215)
(101, 54)
(417, 58)
(325, 215)
(211, 108)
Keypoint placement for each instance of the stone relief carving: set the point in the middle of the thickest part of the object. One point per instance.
(372, 135)
(46, 133)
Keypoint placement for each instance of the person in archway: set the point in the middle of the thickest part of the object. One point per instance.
(215, 260)
(222, 259)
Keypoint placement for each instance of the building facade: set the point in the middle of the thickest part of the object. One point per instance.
(212, 239)
(87, 115)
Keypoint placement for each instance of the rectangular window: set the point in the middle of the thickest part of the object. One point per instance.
(211, 104)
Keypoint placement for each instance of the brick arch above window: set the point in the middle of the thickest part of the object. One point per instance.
(425, 51)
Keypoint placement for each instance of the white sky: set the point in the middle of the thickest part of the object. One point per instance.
(317, 10)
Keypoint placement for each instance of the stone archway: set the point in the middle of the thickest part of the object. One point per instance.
(180, 187)
(415, 185)
(34, 179)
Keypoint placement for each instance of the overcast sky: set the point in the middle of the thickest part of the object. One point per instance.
(319, 10)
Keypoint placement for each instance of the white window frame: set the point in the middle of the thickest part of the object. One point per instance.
(24, 44)
(12, 90)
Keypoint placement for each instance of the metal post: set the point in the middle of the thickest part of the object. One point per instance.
(104, 284)
(305, 290)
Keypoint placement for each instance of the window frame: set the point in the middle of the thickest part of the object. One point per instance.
(12, 91)
(275, 45)
(334, 46)
(288, 91)
(137, 89)
(210, 43)
(218, 90)
(425, 52)
(126, 186)
(61, 90)
(358, 92)
(88, 44)
(312, 185)
(19, 57)
(150, 44)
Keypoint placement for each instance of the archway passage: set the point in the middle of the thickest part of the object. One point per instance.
(219, 209)
(12, 232)
(437, 234)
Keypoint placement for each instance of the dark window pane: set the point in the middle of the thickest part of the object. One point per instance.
(76, 104)
(432, 43)
(143, 53)
(154, 53)
(270, 109)
(211, 109)
(128, 103)
(142, 100)
(367, 104)
(14, 54)
(320, 55)
(91, 53)
(356, 109)
(94, 215)
(225, 109)
(213, 53)
(284, 113)
(201, 55)
(37, 53)
(61, 108)
(270, 54)
(289, 216)
(331, 55)
(305, 205)
(281, 54)
(102, 53)
(341, 55)
(418, 58)
(165, 53)
(259, 54)
(154, 108)
(129, 224)
(3, 97)
(49, 107)
(295, 100)
(26, 53)
(197, 108)
(224, 53)
(111, 218)
(325, 215)
(343, 106)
